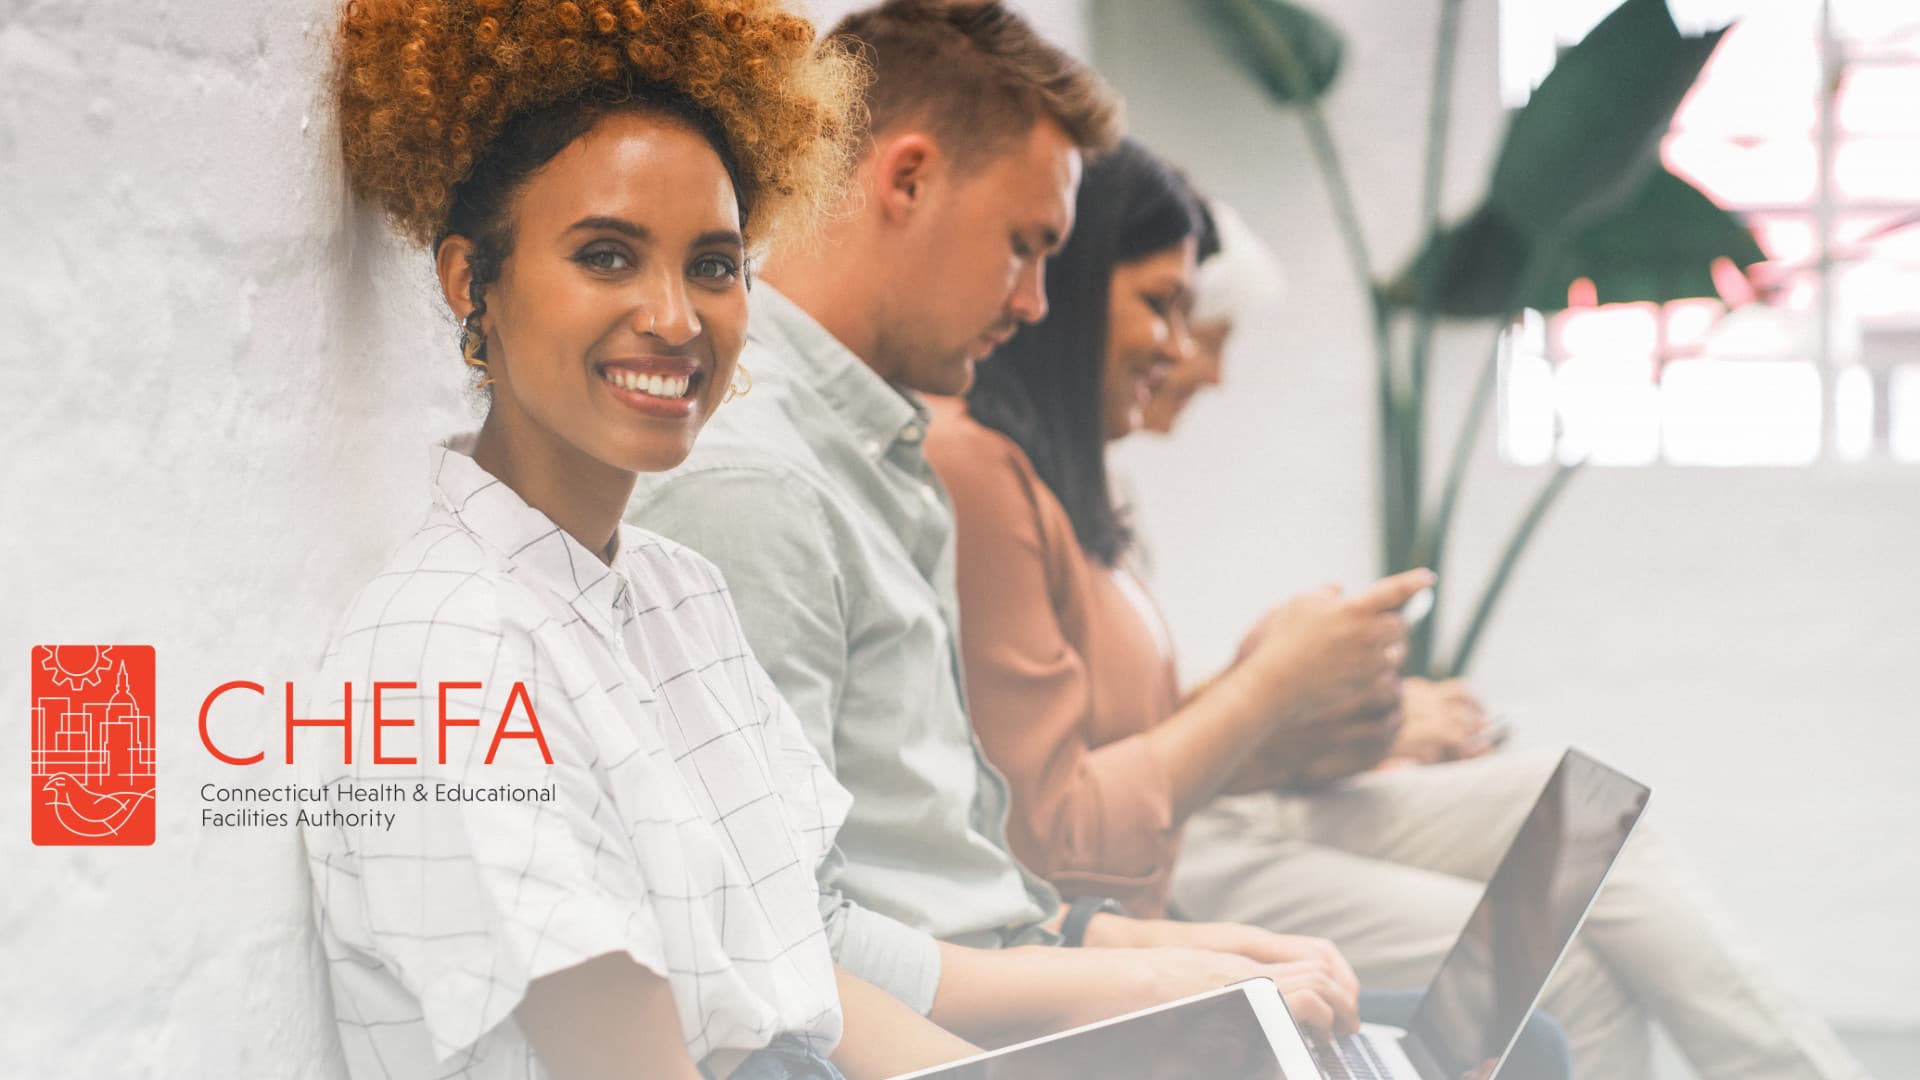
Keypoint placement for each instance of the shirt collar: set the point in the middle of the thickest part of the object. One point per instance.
(528, 539)
(880, 413)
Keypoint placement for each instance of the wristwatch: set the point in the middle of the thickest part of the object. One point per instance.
(1073, 928)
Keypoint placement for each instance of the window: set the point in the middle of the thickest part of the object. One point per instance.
(1807, 123)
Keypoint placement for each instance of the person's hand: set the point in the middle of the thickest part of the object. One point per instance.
(1312, 968)
(1332, 667)
(1253, 942)
(1444, 722)
(1154, 976)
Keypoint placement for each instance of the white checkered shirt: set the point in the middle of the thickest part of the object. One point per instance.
(691, 813)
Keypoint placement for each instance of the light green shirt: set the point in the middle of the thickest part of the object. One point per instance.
(813, 496)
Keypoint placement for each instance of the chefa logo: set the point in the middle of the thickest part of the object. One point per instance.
(93, 744)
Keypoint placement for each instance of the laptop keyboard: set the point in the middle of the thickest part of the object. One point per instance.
(1349, 1058)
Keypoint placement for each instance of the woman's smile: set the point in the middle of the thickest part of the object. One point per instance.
(665, 387)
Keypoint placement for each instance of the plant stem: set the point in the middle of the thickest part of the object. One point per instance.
(1509, 558)
(1433, 542)
(1433, 185)
(1431, 548)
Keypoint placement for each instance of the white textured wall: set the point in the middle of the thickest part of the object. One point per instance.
(1745, 640)
(218, 383)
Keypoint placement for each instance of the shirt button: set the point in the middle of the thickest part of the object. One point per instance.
(871, 446)
(928, 495)
(912, 433)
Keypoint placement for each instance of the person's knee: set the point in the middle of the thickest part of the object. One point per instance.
(1541, 1053)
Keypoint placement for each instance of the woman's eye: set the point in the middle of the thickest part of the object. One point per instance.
(604, 259)
(1161, 306)
(715, 268)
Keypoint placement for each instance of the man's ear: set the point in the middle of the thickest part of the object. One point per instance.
(905, 168)
(453, 263)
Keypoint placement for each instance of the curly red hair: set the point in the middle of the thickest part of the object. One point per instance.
(424, 87)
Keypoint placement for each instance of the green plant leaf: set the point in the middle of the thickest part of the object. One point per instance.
(1591, 132)
(1293, 53)
(1659, 245)
(1480, 265)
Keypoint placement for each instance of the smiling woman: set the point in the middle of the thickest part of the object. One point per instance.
(591, 179)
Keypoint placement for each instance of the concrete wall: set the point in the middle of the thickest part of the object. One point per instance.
(221, 379)
(219, 383)
(1742, 639)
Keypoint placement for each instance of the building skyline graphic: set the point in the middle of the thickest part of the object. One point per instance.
(93, 751)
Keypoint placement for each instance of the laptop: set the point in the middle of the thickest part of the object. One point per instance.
(1238, 1032)
(1472, 1012)
(1467, 1021)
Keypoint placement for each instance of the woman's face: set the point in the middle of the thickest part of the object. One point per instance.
(619, 314)
(1199, 367)
(1147, 334)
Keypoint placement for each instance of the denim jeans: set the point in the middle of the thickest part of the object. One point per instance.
(786, 1058)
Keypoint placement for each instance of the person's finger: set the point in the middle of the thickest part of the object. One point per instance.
(1343, 973)
(1477, 746)
(1385, 627)
(1392, 593)
(1384, 693)
(1345, 1006)
(1464, 721)
(1308, 1010)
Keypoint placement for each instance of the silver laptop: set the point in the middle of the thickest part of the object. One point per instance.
(1238, 1032)
(1466, 1023)
(1481, 997)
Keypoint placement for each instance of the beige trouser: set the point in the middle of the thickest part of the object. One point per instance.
(1389, 866)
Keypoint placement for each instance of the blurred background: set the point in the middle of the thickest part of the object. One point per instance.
(209, 353)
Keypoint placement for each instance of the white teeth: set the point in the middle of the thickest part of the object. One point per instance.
(660, 386)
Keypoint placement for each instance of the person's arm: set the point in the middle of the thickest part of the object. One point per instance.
(768, 533)
(883, 1037)
(606, 1019)
(998, 996)
(1093, 816)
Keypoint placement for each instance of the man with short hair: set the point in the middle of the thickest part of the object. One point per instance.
(813, 496)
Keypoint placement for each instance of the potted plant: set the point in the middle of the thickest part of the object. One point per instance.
(1577, 191)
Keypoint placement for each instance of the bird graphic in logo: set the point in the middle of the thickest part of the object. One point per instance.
(86, 813)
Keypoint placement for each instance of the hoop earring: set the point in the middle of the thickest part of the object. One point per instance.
(473, 348)
(734, 389)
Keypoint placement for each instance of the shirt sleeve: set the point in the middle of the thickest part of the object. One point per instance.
(468, 901)
(1091, 819)
(768, 534)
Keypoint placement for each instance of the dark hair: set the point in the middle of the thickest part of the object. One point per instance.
(976, 75)
(1209, 231)
(1045, 388)
(533, 138)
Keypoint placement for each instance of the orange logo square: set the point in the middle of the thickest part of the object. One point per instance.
(93, 744)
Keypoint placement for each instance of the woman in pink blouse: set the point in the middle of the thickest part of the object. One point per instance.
(1069, 673)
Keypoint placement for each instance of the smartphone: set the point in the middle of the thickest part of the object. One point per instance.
(1417, 607)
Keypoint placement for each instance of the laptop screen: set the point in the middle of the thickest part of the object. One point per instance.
(1482, 994)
